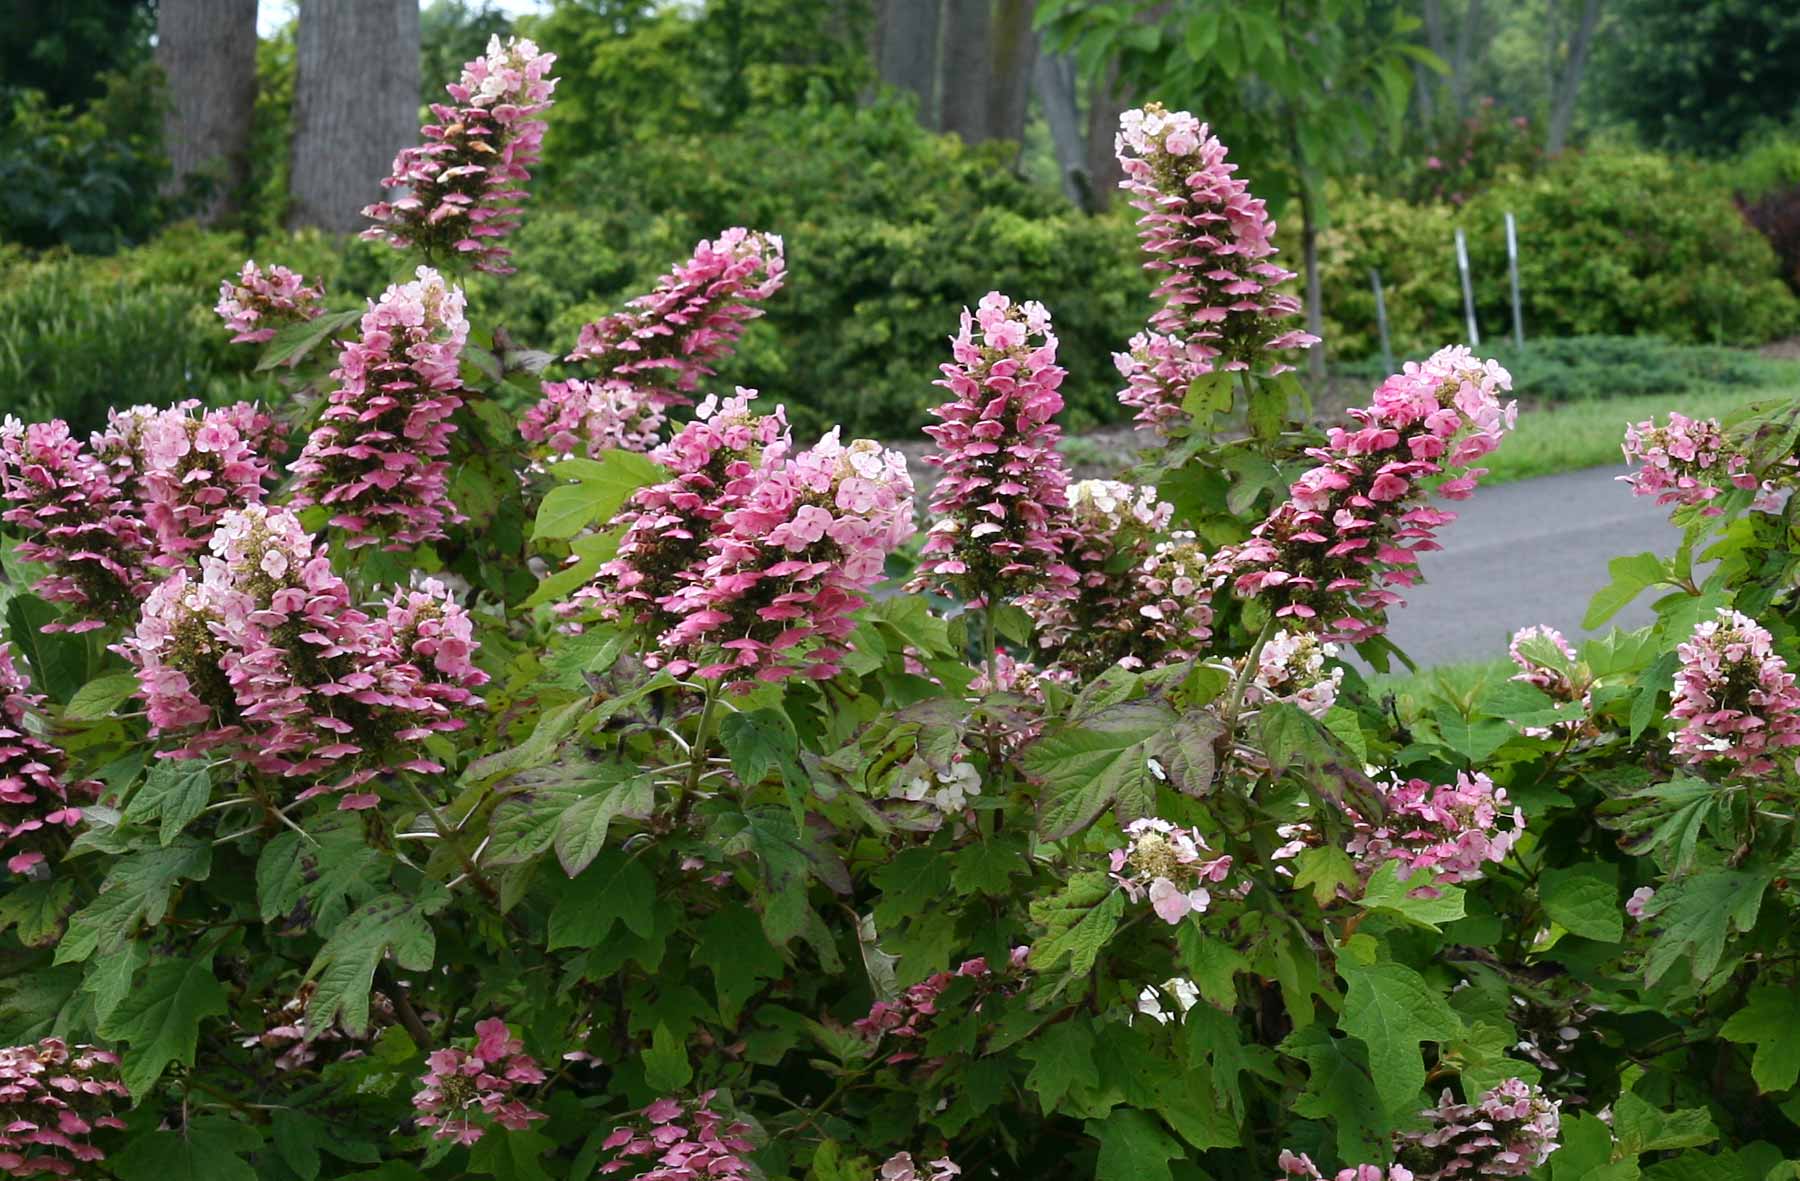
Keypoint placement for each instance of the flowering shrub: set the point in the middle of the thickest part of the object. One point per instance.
(628, 788)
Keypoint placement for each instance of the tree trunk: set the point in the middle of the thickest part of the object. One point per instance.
(1438, 43)
(967, 68)
(356, 103)
(1054, 76)
(907, 32)
(1468, 35)
(1015, 49)
(1563, 113)
(207, 50)
(1107, 100)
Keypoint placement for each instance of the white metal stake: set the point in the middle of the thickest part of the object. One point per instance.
(1387, 352)
(1512, 267)
(1462, 267)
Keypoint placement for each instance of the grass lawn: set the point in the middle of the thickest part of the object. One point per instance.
(1573, 435)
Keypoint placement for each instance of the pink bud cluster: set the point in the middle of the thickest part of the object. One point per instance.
(53, 1098)
(1292, 667)
(188, 467)
(1170, 865)
(666, 341)
(464, 1092)
(261, 302)
(1638, 905)
(1734, 696)
(1001, 504)
(463, 185)
(1300, 1165)
(1508, 1132)
(1112, 527)
(35, 793)
(1689, 462)
(681, 1140)
(900, 1167)
(1355, 525)
(1546, 661)
(73, 514)
(264, 655)
(376, 457)
(1212, 242)
(1447, 833)
(909, 1018)
(749, 563)
(588, 418)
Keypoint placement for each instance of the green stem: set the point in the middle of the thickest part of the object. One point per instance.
(697, 755)
(990, 645)
(1236, 702)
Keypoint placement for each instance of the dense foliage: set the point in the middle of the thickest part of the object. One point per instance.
(430, 775)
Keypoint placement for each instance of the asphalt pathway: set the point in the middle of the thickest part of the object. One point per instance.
(1524, 553)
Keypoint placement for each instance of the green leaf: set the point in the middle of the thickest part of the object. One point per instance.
(1696, 915)
(136, 891)
(731, 944)
(1769, 1020)
(1207, 397)
(38, 909)
(1134, 1147)
(1326, 868)
(581, 830)
(1587, 1153)
(175, 791)
(1391, 1009)
(345, 966)
(1063, 1059)
(1386, 891)
(315, 883)
(614, 888)
(1639, 1127)
(987, 866)
(1339, 1088)
(299, 1137)
(109, 978)
(1093, 764)
(1185, 752)
(666, 1065)
(208, 1148)
(1078, 922)
(100, 696)
(294, 341)
(1473, 739)
(1585, 900)
(161, 1019)
(759, 741)
(1631, 576)
(511, 1156)
(602, 486)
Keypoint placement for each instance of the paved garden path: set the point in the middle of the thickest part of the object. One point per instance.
(1530, 552)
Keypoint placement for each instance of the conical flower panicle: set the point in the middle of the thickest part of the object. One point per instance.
(376, 457)
(37, 799)
(1734, 696)
(53, 1099)
(1001, 504)
(463, 185)
(261, 302)
(74, 514)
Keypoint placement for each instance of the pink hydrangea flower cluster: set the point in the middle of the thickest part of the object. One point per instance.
(1170, 865)
(376, 457)
(1447, 833)
(1300, 1165)
(260, 302)
(73, 513)
(666, 341)
(1546, 660)
(1355, 525)
(681, 1140)
(187, 467)
(1002, 508)
(1112, 528)
(1292, 667)
(901, 1167)
(464, 1092)
(463, 185)
(264, 655)
(1689, 462)
(1508, 1132)
(36, 797)
(53, 1098)
(1213, 243)
(749, 563)
(1174, 614)
(1734, 696)
(588, 418)
(910, 1017)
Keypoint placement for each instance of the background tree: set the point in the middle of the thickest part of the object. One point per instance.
(207, 51)
(66, 49)
(1702, 76)
(356, 102)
